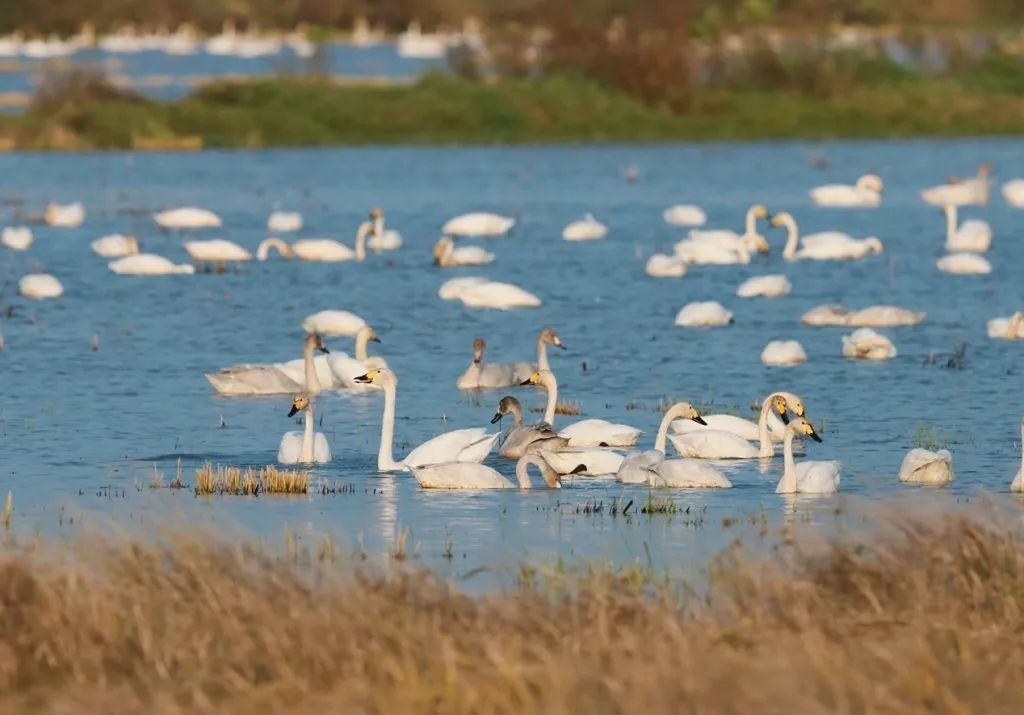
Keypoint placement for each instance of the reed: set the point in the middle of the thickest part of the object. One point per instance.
(250, 481)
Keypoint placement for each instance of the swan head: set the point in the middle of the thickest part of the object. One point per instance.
(378, 376)
(541, 377)
(478, 350)
(783, 401)
(375, 214)
(870, 182)
(985, 169)
(549, 336)
(760, 211)
(366, 333)
(444, 246)
(507, 405)
(803, 428)
(316, 342)
(874, 244)
(782, 220)
(685, 411)
(300, 403)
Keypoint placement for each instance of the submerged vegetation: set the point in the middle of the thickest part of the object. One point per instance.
(919, 621)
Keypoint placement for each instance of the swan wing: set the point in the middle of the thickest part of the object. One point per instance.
(818, 477)
(459, 475)
(600, 433)
(691, 474)
(455, 446)
(639, 467)
(493, 294)
(290, 449)
(453, 288)
(597, 461)
(926, 467)
(712, 444)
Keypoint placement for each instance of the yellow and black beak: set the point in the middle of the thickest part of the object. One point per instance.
(812, 434)
(580, 468)
(363, 379)
(784, 416)
(374, 339)
(497, 418)
(294, 409)
(527, 381)
(699, 420)
(560, 345)
(324, 350)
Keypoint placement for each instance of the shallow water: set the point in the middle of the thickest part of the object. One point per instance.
(74, 422)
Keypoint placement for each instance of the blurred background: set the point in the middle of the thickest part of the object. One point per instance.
(167, 73)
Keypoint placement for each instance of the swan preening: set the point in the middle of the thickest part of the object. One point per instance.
(824, 246)
(875, 316)
(586, 229)
(478, 224)
(783, 352)
(866, 344)
(304, 447)
(1010, 328)
(960, 192)
(115, 245)
(807, 477)
(480, 375)
(149, 264)
(187, 218)
(470, 475)
(520, 438)
(921, 466)
(40, 286)
(447, 255)
(865, 193)
(464, 445)
(651, 467)
(16, 238)
(703, 314)
(64, 216)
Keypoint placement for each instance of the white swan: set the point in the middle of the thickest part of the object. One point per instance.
(1017, 485)
(276, 244)
(115, 245)
(478, 224)
(494, 294)
(866, 192)
(703, 314)
(333, 322)
(806, 477)
(64, 216)
(148, 264)
(40, 286)
(721, 444)
(750, 241)
(772, 286)
(446, 255)
(469, 475)
(783, 352)
(1013, 192)
(921, 466)
(520, 438)
(973, 235)
(452, 288)
(684, 215)
(833, 314)
(186, 218)
(866, 344)
(594, 461)
(345, 369)
(273, 379)
(709, 253)
(464, 445)
(284, 222)
(16, 238)
(967, 191)
(330, 251)
(749, 430)
(653, 469)
(1010, 328)
(874, 316)
(585, 433)
(480, 376)
(381, 239)
(825, 246)
(964, 264)
(304, 447)
(217, 251)
(660, 265)
(547, 336)
(587, 229)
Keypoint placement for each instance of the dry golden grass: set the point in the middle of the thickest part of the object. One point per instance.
(249, 481)
(562, 407)
(928, 620)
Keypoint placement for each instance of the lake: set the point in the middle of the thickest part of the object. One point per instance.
(81, 432)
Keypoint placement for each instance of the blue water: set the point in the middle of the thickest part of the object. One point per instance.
(74, 423)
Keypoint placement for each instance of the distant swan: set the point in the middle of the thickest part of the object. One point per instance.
(783, 352)
(447, 255)
(1011, 328)
(772, 286)
(587, 229)
(651, 467)
(973, 235)
(684, 215)
(217, 251)
(964, 264)
(660, 265)
(967, 191)
(188, 217)
(1013, 192)
(275, 244)
(303, 447)
(875, 316)
(64, 216)
(284, 222)
(115, 246)
(464, 445)
(149, 264)
(750, 241)
(330, 251)
(866, 192)
(825, 246)
(16, 238)
(519, 439)
(333, 322)
(469, 475)
(381, 239)
(478, 224)
(585, 433)
(494, 294)
(40, 286)
(866, 344)
(806, 477)
(703, 314)
(921, 466)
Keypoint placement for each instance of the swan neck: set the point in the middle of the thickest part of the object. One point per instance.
(751, 226)
(767, 450)
(378, 226)
(552, 386)
(542, 355)
(792, 239)
(263, 251)
(361, 340)
(662, 438)
(517, 414)
(788, 483)
(306, 456)
(950, 223)
(385, 455)
(312, 382)
(523, 472)
(361, 241)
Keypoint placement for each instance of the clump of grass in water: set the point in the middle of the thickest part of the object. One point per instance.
(249, 481)
(562, 408)
(927, 437)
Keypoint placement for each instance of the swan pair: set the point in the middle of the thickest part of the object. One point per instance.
(731, 439)
(480, 376)
(875, 316)
(465, 445)
(446, 255)
(481, 293)
(824, 246)
(867, 192)
(964, 243)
